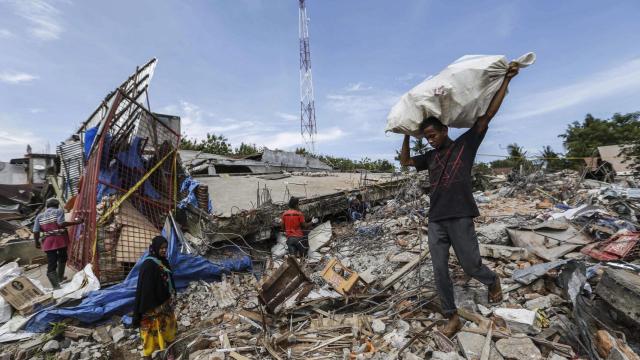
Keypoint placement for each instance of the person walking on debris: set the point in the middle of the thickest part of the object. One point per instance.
(294, 226)
(50, 226)
(153, 309)
(452, 206)
(357, 208)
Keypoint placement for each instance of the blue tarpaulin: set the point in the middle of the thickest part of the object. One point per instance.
(119, 299)
(89, 137)
(189, 185)
(115, 175)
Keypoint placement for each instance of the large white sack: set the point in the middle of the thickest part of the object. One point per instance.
(457, 96)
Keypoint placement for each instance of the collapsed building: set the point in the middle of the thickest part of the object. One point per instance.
(566, 248)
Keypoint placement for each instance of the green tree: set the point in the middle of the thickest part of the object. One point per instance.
(581, 139)
(516, 156)
(247, 149)
(516, 152)
(212, 144)
(552, 159)
(481, 168)
(304, 152)
(419, 146)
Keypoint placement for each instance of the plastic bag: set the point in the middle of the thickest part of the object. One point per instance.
(457, 96)
(8, 272)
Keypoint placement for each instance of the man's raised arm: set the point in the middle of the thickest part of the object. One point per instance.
(405, 157)
(494, 106)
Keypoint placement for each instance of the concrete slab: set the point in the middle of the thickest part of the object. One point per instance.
(472, 344)
(621, 289)
(232, 194)
(521, 348)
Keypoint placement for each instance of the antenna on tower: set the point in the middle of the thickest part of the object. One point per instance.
(307, 103)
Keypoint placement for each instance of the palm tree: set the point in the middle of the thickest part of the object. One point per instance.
(419, 147)
(516, 153)
(548, 153)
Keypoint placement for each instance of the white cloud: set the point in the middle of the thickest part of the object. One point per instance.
(620, 79)
(290, 140)
(364, 110)
(13, 143)
(197, 122)
(13, 77)
(44, 18)
(287, 116)
(357, 87)
(5, 34)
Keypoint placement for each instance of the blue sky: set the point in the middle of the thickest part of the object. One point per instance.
(231, 66)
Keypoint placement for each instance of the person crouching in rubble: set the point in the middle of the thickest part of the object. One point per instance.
(50, 226)
(153, 310)
(294, 226)
(452, 206)
(357, 208)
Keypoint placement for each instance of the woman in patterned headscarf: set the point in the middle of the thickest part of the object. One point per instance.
(153, 309)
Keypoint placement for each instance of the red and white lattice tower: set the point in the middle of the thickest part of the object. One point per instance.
(307, 105)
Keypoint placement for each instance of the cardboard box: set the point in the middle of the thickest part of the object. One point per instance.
(24, 296)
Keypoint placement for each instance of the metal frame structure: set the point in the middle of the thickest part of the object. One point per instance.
(129, 182)
(307, 103)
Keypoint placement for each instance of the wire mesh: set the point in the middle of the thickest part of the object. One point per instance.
(127, 190)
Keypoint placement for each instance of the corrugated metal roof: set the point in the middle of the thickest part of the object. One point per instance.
(72, 165)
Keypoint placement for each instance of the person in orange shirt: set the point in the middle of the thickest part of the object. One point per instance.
(294, 226)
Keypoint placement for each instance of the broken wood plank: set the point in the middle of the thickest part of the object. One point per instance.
(224, 340)
(486, 349)
(326, 343)
(405, 269)
(482, 321)
(237, 356)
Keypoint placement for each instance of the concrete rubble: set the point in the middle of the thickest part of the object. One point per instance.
(366, 292)
(566, 249)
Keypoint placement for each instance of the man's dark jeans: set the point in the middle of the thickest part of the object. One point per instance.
(459, 233)
(298, 245)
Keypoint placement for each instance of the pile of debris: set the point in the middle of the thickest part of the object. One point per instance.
(566, 248)
(365, 289)
(568, 262)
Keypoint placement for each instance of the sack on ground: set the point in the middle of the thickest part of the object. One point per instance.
(457, 96)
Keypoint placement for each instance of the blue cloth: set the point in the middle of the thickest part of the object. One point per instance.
(107, 176)
(119, 299)
(132, 159)
(355, 215)
(189, 185)
(111, 173)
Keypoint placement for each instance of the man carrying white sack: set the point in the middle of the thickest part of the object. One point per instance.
(452, 206)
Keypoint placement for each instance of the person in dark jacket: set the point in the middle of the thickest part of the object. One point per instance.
(153, 310)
